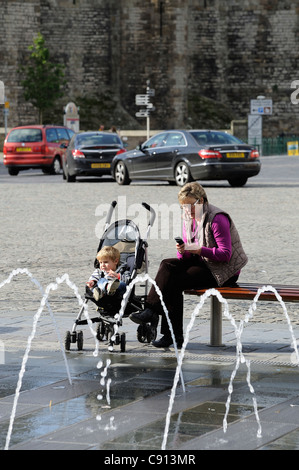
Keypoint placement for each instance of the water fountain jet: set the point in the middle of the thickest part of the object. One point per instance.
(44, 301)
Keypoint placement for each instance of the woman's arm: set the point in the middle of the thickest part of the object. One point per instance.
(221, 232)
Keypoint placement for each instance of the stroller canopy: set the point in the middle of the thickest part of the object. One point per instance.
(125, 236)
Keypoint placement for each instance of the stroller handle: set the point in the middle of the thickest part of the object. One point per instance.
(151, 210)
(109, 214)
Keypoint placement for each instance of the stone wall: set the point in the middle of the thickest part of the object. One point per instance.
(205, 58)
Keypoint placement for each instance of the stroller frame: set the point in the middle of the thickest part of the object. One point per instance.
(108, 324)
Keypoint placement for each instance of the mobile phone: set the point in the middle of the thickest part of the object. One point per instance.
(179, 240)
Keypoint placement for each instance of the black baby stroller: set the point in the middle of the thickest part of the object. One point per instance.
(123, 235)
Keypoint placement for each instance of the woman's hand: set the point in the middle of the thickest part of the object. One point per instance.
(180, 248)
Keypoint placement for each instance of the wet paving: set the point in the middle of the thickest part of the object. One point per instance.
(120, 401)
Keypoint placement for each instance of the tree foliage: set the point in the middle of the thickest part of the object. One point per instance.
(43, 80)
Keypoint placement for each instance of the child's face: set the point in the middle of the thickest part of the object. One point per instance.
(107, 264)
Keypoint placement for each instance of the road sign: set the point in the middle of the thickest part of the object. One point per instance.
(142, 113)
(262, 107)
(151, 91)
(142, 100)
(71, 118)
(293, 148)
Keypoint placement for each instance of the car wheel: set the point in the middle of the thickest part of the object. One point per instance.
(69, 178)
(55, 167)
(13, 171)
(237, 182)
(121, 174)
(182, 174)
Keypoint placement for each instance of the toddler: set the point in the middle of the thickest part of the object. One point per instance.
(107, 280)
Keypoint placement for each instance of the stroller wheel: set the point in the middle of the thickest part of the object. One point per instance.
(80, 340)
(67, 341)
(141, 333)
(151, 333)
(101, 331)
(116, 339)
(123, 342)
(146, 333)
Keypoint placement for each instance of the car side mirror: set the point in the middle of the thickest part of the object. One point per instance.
(141, 148)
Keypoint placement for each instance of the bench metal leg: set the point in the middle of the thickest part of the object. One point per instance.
(216, 322)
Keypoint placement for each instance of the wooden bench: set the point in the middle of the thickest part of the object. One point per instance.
(243, 291)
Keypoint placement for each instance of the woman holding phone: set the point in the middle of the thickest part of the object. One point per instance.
(210, 254)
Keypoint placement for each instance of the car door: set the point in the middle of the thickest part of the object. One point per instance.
(175, 143)
(52, 143)
(144, 161)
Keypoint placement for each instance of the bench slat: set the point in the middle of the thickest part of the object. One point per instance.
(247, 291)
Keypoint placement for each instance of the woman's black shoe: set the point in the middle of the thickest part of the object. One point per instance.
(147, 316)
(167, 341)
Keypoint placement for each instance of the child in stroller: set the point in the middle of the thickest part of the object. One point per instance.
(131, 256)
(110, 278)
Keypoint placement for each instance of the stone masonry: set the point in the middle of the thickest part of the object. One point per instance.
(205, 58)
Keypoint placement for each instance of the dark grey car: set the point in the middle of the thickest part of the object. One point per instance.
(180, 156)
(91, 154)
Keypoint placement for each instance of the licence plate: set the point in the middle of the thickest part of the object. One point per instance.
(23, 149)
(235, 155)
(100, 165)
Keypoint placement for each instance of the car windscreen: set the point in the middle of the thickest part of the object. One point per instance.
(97, 140)
(25, 135)
(214, 138)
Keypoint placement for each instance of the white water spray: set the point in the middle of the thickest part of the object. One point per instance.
(104, 373)
(241, 358)
(44, 301)
(144, 278)
(252, 309)
(35, 281)
(203, 298)
(239, 354)
(102, 382)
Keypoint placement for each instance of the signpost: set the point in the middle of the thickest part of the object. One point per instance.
(258, 108)
(2, 94)
(144, 100)
(255, 129)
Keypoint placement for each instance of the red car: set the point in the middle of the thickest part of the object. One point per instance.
(38, 146)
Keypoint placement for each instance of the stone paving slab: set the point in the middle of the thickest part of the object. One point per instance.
(276, 421)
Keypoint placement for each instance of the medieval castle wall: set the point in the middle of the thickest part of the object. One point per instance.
(205, 58)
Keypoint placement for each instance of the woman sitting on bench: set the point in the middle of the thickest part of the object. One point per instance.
(211, 255)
